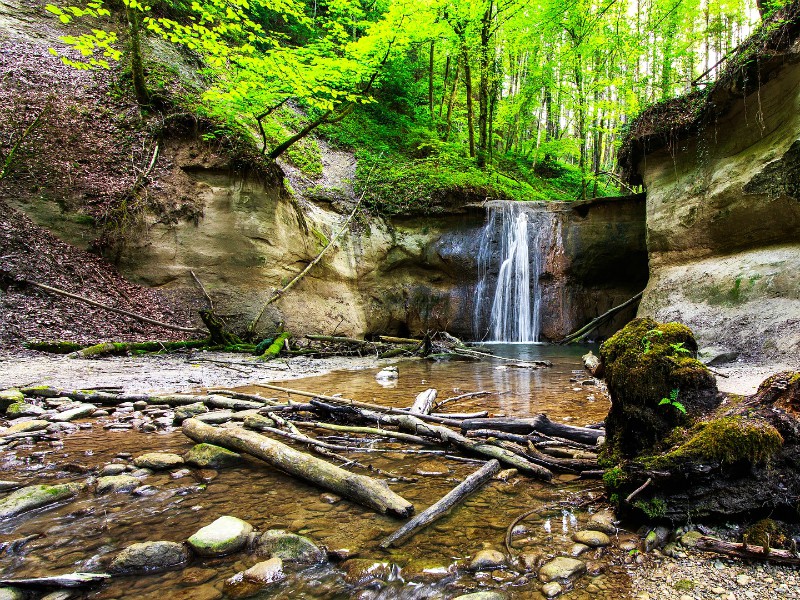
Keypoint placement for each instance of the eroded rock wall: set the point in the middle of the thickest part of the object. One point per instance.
(723, 224)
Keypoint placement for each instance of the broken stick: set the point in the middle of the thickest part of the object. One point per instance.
(455, 496)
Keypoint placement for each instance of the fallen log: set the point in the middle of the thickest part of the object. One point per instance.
(424, 402)
(710, 544)
(595, 323)
(438, 405)
(540, 423)
(455, 496)
(555, 463)
(69, 580)
(369, 492)
(355, 403)
(398, 435)
(275, 347)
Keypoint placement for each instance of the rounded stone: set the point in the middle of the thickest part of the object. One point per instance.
(561, 568)
(593, 539)
(358, 571)
(289, 547)
(210, 456)
(158, 461)
(117, 484)
(150, 557)
(482, 596)
(486, 560)
(113, 469)
(552, 589)
(224, 536)
(603, 521)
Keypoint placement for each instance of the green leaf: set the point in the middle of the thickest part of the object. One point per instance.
(679, 406)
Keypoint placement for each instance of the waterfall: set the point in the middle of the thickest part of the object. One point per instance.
(513, 244)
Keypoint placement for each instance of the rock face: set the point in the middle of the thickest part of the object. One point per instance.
(723, 215)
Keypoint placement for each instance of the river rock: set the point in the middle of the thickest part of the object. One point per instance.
(36, 496)
(26, 426)
(577, 550)
(253, 580)
(9, 397)
(11, 593)
(23, 409)
(561, 568)
(690, 538)
(215, 417)
(593, 539)
(425, 571)
(113, 469)
(552, 589)
(258, 422)
(486, 560)
(289, 547)
(7, 485)
(150, 557)
(188, 411)
(387, 374)
(224, 536)
(59, 595)
(358, 571)
(431, 467)
(268, 571)
(603, 521)
(117, 484)
(82, 410)
(482, 596)
(158, 461)
(210, 456)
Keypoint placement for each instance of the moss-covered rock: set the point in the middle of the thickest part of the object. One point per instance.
(224, 536)
(726, 440)
(9, 397)
(645, 363)
(209, 456)
(289, 547)
(36, 496)
(150, 557)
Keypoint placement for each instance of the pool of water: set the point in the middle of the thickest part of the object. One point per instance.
(83, 534)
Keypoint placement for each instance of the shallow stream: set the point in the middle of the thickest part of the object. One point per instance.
(84, 534)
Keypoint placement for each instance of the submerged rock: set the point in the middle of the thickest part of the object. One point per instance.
(188, 411)
(224, 536)
(158, 461)
(11, 593)
(258, 422)
(487, 560)
(36, 496)
(113, 469)
(117, 484)
(358, 571)
(256, 578)
(289, 547)
(209, 455)
(491, 595)
(552, 589)
(150, 557)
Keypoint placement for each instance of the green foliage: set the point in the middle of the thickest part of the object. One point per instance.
(673, 401)
(646, 338)
(654, 508)
(613, 478)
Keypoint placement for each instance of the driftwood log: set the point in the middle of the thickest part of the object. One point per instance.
(540, 423)
(369, 492)
(455, 496)
(710, 544)
(424, 402)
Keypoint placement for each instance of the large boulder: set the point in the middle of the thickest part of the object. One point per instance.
(209, 456)
(645, 363)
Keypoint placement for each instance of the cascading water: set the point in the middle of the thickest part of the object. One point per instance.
(510, 261)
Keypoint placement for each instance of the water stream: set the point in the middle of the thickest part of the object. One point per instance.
(84, 534)
(508, 298)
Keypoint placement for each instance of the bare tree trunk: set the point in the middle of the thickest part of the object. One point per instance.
(430, 80)
(450, 105)
(137, 68)
(470, 110)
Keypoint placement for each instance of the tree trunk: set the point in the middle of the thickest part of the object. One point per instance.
(430, 81)
(539, 423)
(450, 105)
(137, 68)
(444, 85)
(483, 85)
(470, 110)
(369, 492)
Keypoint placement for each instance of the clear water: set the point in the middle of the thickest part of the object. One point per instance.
(83, 534)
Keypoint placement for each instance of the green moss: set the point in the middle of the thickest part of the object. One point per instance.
(765, 533)
(684, 585)
(614, 478)
(726, 440)
(54, 347)
(654, 508)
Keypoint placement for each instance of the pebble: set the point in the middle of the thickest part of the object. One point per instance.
(552, 589)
